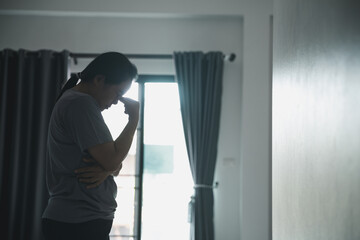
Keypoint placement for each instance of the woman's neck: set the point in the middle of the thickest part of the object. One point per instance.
(83, 87)
(87, 88)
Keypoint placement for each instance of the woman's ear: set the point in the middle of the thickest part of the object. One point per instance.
(99, 80)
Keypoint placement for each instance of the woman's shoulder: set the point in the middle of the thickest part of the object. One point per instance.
(73, 103)
(77, 99)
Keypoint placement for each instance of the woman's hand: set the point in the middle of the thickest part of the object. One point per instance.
(93, 175)
(131, 108)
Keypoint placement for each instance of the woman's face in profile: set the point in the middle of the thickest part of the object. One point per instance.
(110, 93)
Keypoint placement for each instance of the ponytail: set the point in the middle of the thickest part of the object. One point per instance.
(69, 84)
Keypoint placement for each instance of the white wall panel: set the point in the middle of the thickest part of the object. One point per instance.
(316, 120)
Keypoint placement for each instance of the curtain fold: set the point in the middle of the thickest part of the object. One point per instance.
(199, 78)
(29, 84)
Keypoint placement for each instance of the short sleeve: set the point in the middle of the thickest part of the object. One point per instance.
(86, 125)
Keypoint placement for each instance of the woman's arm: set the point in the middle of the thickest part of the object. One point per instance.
(116, 173)
(94, 175)
(110, 155)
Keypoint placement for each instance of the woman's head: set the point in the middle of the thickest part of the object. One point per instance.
(109, 73)
(115, 67)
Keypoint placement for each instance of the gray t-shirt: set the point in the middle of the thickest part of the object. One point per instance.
(76, 124)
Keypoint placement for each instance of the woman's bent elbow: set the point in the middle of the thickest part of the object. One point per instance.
(111, 167)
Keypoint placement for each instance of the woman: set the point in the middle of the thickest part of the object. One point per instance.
(82, 157)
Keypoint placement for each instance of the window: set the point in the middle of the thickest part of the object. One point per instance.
(155, 184)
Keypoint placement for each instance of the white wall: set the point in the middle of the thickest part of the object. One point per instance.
(316, 120)
(242, 200)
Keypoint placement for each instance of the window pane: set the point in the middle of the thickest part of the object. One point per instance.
(124, 216)
(167, 184)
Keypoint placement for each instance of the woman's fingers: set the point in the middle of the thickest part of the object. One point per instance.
(92, 176)
(87, 175)
(92, 185)
(85, 170)
(88, 180)
(95, 168)
(89, 160)
(131, 106)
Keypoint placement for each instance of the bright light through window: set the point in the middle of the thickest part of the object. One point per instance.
(167, 182)
(167, 177)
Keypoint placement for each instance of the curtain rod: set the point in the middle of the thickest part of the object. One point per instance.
(231, 57)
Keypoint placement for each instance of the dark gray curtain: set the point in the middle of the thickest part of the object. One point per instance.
(29, 85)
(199, 78)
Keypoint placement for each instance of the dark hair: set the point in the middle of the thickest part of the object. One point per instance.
(115, 66)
